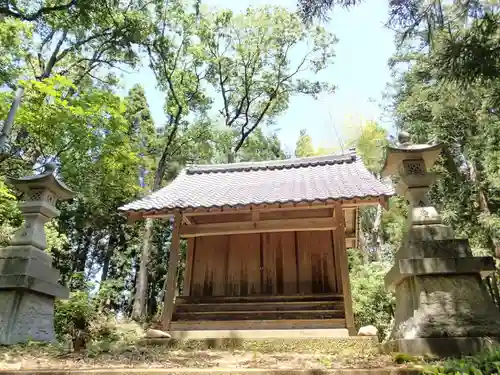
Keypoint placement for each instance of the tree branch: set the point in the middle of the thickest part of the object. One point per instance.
(11, 10)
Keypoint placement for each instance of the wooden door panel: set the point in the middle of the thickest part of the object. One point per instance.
(284, 263)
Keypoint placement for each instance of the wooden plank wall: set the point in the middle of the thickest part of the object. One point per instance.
(250, 264)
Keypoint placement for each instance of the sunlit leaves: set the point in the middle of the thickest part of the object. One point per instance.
(254, 64)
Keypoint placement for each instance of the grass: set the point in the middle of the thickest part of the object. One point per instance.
(320, 354)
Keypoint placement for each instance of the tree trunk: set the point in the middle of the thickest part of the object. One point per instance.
(7, 127)
(377, 239)
(141, 289)
(107, 257)
(482, 200)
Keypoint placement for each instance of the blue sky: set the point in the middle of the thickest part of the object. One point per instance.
(359, 71)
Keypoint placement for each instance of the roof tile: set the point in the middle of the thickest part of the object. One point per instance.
(280, 181)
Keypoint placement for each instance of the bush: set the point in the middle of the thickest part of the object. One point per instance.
(73, 318)
(487, 363)
(372, 303)
(82, 320)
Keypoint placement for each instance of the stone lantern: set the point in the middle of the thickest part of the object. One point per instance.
(28, 283)
(442, 305)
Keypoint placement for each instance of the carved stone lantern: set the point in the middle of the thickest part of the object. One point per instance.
(442, 305)
(28, 283)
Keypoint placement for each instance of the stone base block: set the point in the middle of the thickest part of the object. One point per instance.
(434, 306)
(25, 316)
(405, 268)
(26, 252)
(441, 346)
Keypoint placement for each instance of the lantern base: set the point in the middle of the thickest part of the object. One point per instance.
(28, 289)
(440, 295)
(26, 316)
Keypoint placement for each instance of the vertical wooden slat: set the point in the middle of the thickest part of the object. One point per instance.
(261, 260)
(251, 253)
(279, 260)
(297, 260)
(269, 263)
(168, 303)
(188, 272)
(305, 267)
(344, 267)
(289, 263)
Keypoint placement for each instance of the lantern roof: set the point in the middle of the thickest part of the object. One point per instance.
(45, 180)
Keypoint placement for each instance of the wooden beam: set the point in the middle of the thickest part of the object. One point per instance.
(173, 261)
(341, 252)
(264, 226)
(264, 207)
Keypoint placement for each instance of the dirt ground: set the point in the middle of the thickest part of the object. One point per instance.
(50, 357)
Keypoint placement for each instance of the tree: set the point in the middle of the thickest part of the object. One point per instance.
(310, 10)
(370, 145)
(250, 67)
(176, 62)
(304, 146)
(24, 12)
(449, 93)
(76, 40)
(13, 44)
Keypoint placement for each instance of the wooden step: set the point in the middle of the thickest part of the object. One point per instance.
(260, 306)
(258, 298)
(259, 315)
(257, 324)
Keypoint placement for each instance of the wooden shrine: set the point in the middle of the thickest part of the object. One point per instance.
(266, 242)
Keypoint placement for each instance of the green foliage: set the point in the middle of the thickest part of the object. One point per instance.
(10, 217)
(372, 303)
(249, 64)
(304, 146)
(74, 317)
(370, 144)
(487, 363)
(462, 115)
(13, 43)
(401, 358)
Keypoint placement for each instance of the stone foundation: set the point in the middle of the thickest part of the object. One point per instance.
(25, 316)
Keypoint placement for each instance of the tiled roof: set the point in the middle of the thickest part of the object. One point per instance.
(279, 181)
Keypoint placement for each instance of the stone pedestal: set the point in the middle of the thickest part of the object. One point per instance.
(442, 305)
(28, 283)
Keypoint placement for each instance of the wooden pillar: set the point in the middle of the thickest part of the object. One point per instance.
(173, 261)
(344, 267)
